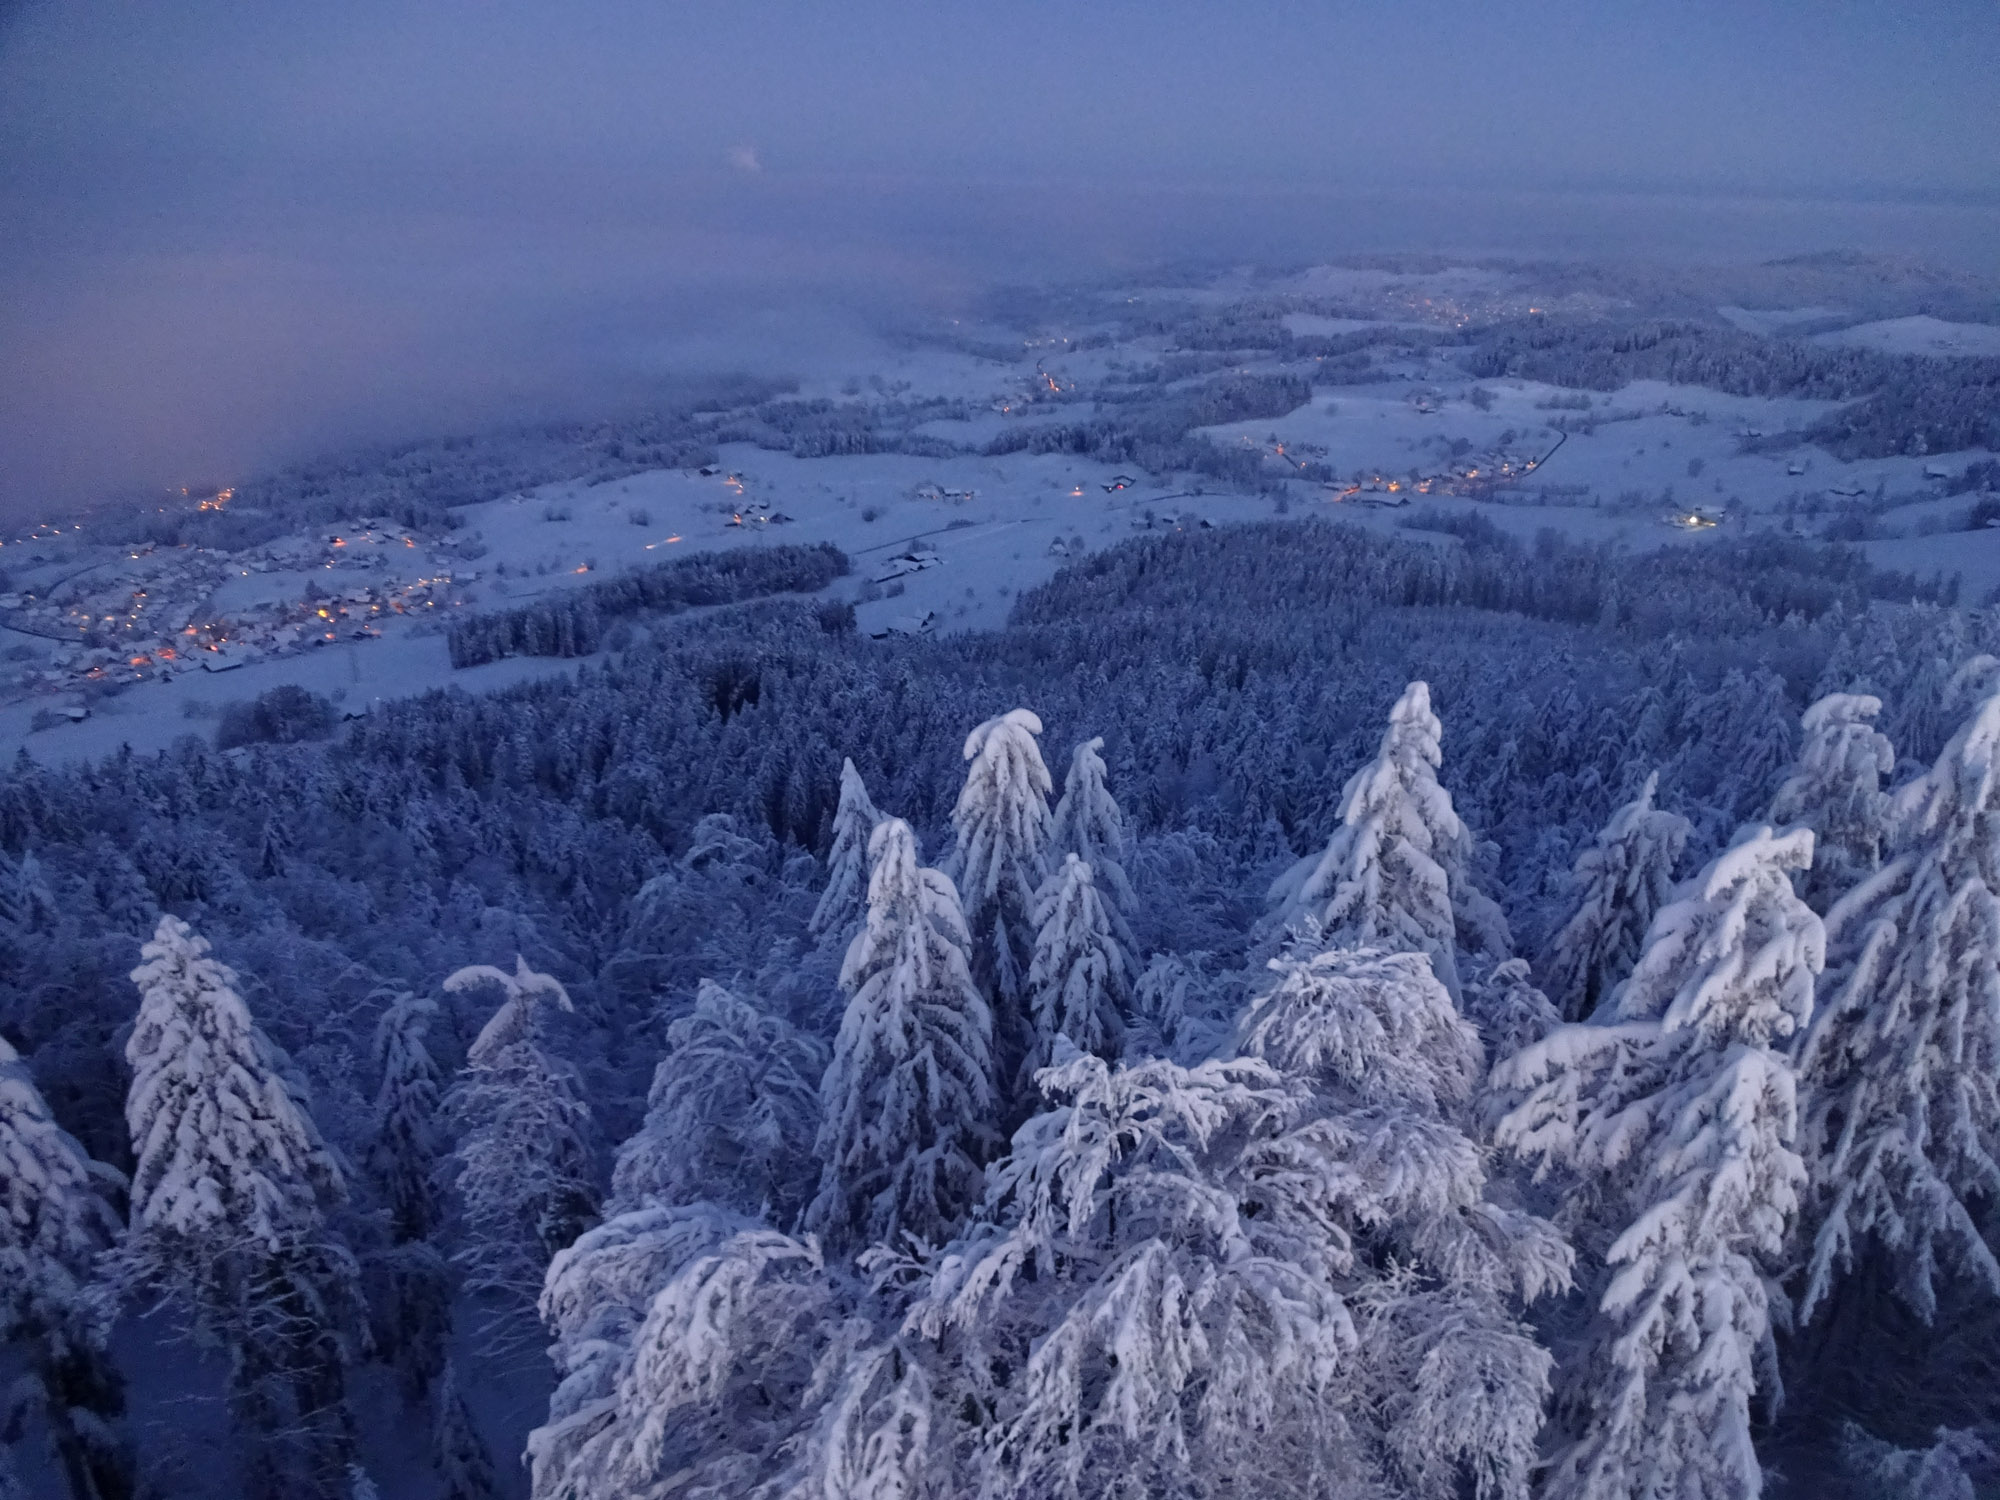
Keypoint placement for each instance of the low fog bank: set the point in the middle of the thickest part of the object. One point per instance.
(156, 336)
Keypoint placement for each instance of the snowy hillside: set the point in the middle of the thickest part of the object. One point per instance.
(1921, 334)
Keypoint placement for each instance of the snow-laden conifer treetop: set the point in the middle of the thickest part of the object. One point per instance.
(224, 1146)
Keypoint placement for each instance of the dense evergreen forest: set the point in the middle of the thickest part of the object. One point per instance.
(1297, 1010)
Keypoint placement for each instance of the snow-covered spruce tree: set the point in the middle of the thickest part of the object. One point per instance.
(53, 1224)
(879, 1434)
(999, 863)
(409, 1283)
(694, 1344)
(1900, 1072)
(1181, 1008)
(731, 1117)
(230, 1188)
(729, 1134)
(457, 1449)
(908, 1102)
(1503, 1003)
(846, 896)
(1394, 1071)
(594, 1302)
(1882, 1471)
(1836, 791)
(523, 1164)
(1394, 873)
(1678, 1101)
(1089, 824)
(1766, 744)
(404, 1153)
(1079, 981)
(26, 907)
(1166, 1296)
(1622, 880)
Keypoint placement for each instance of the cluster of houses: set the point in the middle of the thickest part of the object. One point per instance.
(252, 632)
(1041, 386)
(917, 624)
(1474, 475)
(148, 612)
(914, 558)
(753, 513)
(1150, 520)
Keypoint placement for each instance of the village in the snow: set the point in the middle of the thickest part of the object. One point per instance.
(981, 466)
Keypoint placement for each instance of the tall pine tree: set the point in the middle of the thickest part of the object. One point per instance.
(1079, 980)
(53, 1224)
(1394, 874)
(999, 863)
(908, 1102)
(411, 1285)
(230, 1188)
(1622, 880)
(846, 895)
(523, 1167)
(1677, 1107)
(1089, 824)
(1836, 791)
(732, 1114)
(404, 1154)
(1901, 1070)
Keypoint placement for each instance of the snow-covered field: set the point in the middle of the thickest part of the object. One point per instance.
(1922, 334)
(1769, 320)
(355, 611)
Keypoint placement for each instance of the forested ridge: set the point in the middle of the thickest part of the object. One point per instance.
(1893, 403)
(1233, 1026)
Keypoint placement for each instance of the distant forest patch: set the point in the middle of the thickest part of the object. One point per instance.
(573, 623)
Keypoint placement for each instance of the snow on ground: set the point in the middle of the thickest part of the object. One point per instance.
(1922, 334)
(1027, 514)
(1768, 321)
(946, 544)
(990, 547)
(151, 716)
(1654, 447)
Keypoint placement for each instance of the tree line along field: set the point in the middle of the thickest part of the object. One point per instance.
(1298, 1005)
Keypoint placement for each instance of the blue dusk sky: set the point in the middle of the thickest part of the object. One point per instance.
(239, 232)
